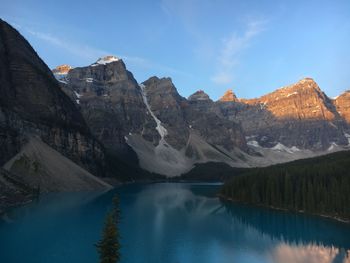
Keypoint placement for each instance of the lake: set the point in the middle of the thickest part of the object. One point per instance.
(168, 223)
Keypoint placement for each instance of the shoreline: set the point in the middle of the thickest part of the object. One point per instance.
(333, 218)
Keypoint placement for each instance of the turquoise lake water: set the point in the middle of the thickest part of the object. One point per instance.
(168, 223)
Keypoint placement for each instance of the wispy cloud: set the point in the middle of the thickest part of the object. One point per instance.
(231, 50)
(77, 49)
(91, 54)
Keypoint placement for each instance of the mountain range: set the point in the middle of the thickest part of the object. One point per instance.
(170, 133)
(64, 129)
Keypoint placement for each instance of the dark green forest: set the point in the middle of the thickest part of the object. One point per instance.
(318, 185)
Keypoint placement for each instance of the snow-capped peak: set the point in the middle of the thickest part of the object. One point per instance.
(105, 60)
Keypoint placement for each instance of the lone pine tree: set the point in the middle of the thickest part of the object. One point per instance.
(109, 247)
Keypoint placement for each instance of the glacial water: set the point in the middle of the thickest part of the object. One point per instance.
(168, 223)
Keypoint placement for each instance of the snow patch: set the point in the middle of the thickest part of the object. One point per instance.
(295, 149)
(160, 128)
(253, 143)
(282, 148)
(332, 147)
(105, 60)
(78, 97)
(291, 94)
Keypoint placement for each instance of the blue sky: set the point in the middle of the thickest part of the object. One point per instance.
(250, 46)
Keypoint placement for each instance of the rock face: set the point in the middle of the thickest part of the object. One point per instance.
(342, 104)
(214, 129)
(33, 104)
(62, 69)
(111, 102)
(151, 118)
(168, 106)
(199, 95)
(229, 96)
(298, 115)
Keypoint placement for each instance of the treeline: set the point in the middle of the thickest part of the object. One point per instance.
(318, 185)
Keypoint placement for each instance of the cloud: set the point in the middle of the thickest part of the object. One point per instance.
(231, 50)
(79, 50)
(91, 54)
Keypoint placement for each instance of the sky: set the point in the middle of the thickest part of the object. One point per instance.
(250, 46)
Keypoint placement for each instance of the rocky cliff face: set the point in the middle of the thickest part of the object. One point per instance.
(32, 104)
(229, 96)
(299, 115)
(214, 129)
(342, 104)
(168, 106)
(111, 102)
(62, 69)
(151, 118)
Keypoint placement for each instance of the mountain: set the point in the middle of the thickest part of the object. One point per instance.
(33, 107)
(152, 125)
(342, 104)
(62, 69)
(167, 132)
(229, 96)
(111, 102)
(299, 115)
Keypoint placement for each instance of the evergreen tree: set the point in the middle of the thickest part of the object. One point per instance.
(317, 185)
(109, 247)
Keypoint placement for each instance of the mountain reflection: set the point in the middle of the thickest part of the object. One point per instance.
(291, 227)
(169, 222)
(185, 218)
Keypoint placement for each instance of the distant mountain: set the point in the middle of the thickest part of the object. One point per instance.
(342, 104)
(299, 115)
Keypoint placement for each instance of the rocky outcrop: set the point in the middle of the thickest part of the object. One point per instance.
(111, 102)
(298, 115)
(33, 104)
(62, 69)
(210, 126)
(199, 95)
(342, 104)
(229, 96)
(168, 106)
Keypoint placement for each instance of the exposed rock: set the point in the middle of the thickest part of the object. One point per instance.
(62, 69)
(199, 95)
(111, 102)
(168, 106)
(342, 104)
(229, 96)
(297, 115)
(32, 103)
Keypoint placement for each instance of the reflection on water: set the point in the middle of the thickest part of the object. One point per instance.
(173, 223)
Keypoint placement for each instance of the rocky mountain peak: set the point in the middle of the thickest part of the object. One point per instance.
(199, 95)
(229, 96)
(62, 69)
(106, 60)
(342, 103)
